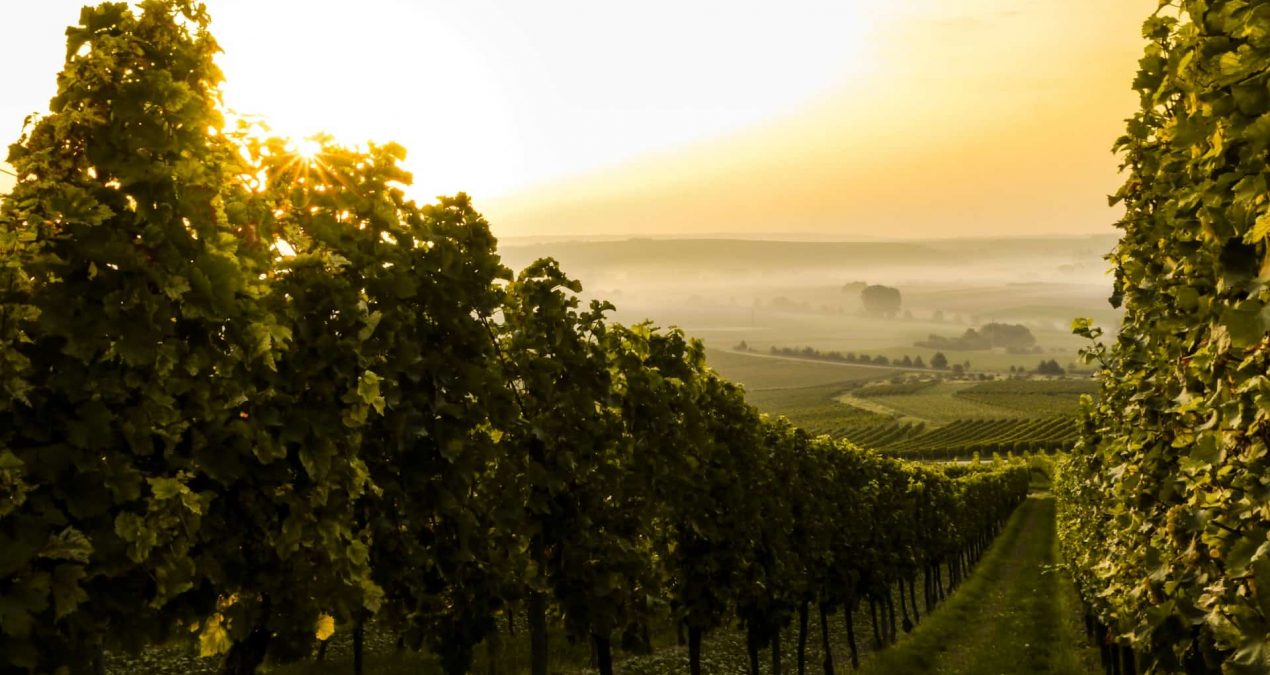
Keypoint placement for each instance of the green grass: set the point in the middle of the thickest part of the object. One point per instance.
(1083, 657)
(758, 372)
(938, 404)
(815, 409)
(1015, 614)
(802, 391)
(882, 389)
(1059, 388)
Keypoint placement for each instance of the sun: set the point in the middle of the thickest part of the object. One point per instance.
(308, 149)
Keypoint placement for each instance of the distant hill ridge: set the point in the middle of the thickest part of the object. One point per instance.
(756, 255)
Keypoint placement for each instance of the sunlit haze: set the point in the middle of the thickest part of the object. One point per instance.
(872, 118)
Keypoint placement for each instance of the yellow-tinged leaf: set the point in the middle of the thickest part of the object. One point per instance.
(325, 627)
(1260, 229)
(166, 488)
(214, 639)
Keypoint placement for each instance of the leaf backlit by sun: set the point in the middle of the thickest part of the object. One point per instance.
(284, 248)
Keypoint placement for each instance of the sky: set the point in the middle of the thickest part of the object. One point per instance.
(845, 119)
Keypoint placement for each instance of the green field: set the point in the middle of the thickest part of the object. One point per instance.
(722, 326)
(803, 391)
(896, 413)
(815, 409)
(1056, 397)
(938, 404)
(967, 437)
(759, 372)
(883, 389)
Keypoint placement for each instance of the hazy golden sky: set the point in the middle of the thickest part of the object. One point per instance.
(847, 118)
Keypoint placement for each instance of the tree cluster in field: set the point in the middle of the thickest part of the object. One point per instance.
(880, 300)
(251, 398)
(1014, 338)
(1050, 367)
(876, 299)
(1164, 508)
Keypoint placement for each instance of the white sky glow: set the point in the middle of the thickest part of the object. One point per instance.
(559, 113)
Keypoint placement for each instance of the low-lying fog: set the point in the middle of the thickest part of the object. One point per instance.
(785, 293)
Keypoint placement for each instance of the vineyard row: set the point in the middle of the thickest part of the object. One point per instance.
(252, 397)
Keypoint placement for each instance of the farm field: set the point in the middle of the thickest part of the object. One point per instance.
(815, 409)
(805, 392)
(758, 372)
(921, 419)
(722, 326)
(938, 405)
(1058, 397)
(964, 438)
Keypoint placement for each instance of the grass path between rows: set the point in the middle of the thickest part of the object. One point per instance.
(1015, 614)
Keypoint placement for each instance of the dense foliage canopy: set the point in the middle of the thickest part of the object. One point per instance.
(1165, 507)
(250, 398)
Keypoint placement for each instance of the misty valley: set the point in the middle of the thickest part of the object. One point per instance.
(788, 294)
